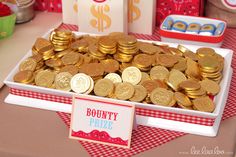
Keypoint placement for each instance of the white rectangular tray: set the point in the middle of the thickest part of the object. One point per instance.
(189, 121)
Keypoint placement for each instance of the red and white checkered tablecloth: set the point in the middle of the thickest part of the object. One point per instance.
(145, 138)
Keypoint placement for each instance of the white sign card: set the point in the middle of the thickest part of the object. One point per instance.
(101, 120)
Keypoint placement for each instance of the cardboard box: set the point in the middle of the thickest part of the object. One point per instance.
(142, 16)
(102, 16)
(70, 12)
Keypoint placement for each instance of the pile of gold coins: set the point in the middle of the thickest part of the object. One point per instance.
(118, 66)
(61, 40)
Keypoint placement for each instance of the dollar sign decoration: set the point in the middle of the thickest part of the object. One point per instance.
(134, 11)
(102, 21)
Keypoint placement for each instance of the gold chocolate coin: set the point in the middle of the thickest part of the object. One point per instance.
(44, 78)
(132, 75)
(62, 81)
(182, 99)
(204, 104)
(70, 68)
(23, 76)
(149, 48)
(92, 69)
(210, 86)
(167, 60)
(159, 72)
(209, 63)
(190, 85)
(80, 83)
(110, 65)
(124, 91)
(103, 87)
(175, 78)
(70, 58)
(28, 64)
(115, 78)
(161, 96)
(205, 51)
(142, 60)
(140, 93)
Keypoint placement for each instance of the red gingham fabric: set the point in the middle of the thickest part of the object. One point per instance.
(139, 111)
(145, 138)
(42, 96)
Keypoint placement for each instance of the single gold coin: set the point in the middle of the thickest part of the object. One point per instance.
(148, 48)
(181, 65)
(37, 57)
(63, 53)
(132, 75)
(182, 99)
(191, 55)
(124, 91)
(41, 43)
(145, 76)
(175, 78)
(205, 51)
(80, 83)
(150, 85)
(190, 85)
(103, 87)
(183, 48)
(159, 72)
(142, 60)
(92, 69)
(204, 104)
(115, 78)
(210, 86)
(209, 63)
(72, 69)
(107, 42)
(192, 70)
(127, 40)
(23, 76)
(161, 96)
(53, 62)
(70, 58)
(91, 86)
(140, 93)
(110, 65)
(28, 64)
(175, 51)
(79, 45)
(167, 60)
(62, 81)
(45, 78)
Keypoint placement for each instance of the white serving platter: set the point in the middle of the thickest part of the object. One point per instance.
(189, 121)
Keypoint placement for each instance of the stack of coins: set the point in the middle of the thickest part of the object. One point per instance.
(192, 89)
(44, 48)
(127, 48)
(107, 45)
(95, 53)
(61, 39)
(210, 64)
